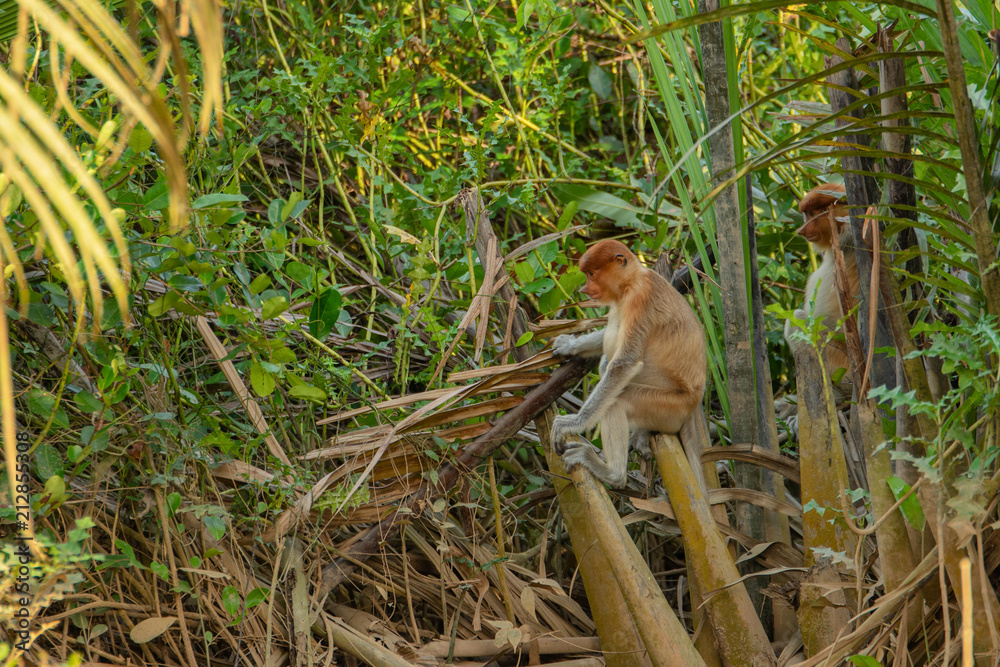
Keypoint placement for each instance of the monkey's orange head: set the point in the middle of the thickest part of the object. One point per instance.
(610, 267)
(821, 206)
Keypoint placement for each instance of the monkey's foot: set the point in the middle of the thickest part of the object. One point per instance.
(639, 441)
(585, 455)
(564, 429)
(569, 443)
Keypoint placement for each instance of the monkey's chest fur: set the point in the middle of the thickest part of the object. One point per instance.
(667, 358)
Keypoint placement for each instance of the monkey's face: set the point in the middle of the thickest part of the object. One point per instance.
(593, 286)
(821, 225)
(607, 265)
(824, 214)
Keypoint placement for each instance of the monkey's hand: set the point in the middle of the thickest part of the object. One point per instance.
(588, 345)
(564, 346)
(563, 428)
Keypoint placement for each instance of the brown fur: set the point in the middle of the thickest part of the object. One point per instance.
(654, 349)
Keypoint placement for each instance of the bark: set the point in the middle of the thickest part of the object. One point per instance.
(965, 123)
(902, 194)
(663, 635)
(776, 525)
(822, 614)
(891, 534)
(743, 419)
(620, 639)
(739, 634)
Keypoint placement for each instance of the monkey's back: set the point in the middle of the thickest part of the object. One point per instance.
(674, 355)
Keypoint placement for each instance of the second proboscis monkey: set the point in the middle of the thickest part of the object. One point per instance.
(825, 213)
(653, 365)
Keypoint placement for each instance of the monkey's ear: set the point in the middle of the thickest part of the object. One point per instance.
(621, 259)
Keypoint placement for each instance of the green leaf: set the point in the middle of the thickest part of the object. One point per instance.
(293, 200)
(256, 596)
(567, 215)
(48, 461)
(43, 405)
(156, 198)
(129, 553)
(525, 272)
(140, 140)
(75, 452)
(184, 283)
(273, 307)
(260, 283)
(299, 272)
(525, 337)
(308, 392)
(160, 570)
(55, 488)
(164, 304)
(600, 81)
(324, 313)
(173, 502)
(87, 403)
(261, 381)
(865, 661)
(216, 526)
(183, 246)
(99, 441)
(910, 508)
(217, 198)
(274, 211)
(601, 203)
(524, 12)
(231, 600)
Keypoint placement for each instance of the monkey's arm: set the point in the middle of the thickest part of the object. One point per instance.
(587, 345)
(618, 373)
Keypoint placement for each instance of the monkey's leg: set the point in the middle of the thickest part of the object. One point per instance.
(614, 434)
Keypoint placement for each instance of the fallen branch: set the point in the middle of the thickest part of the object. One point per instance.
(477, 451)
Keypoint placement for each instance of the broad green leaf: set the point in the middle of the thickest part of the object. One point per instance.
(231, 600)
(308, 392)
(87, 403)
(324, 313)
(600, 81)
(164, 304)
(567, 215)
(273, 307)
(48, 461)
(260, 283)
(140, 140)
(602, 203)
(910, 508)
(217, 198)
(261, 381)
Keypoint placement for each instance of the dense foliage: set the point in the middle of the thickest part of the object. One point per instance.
(327, 251)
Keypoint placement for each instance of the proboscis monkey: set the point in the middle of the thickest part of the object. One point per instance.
(825, 214)
(653, 365)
